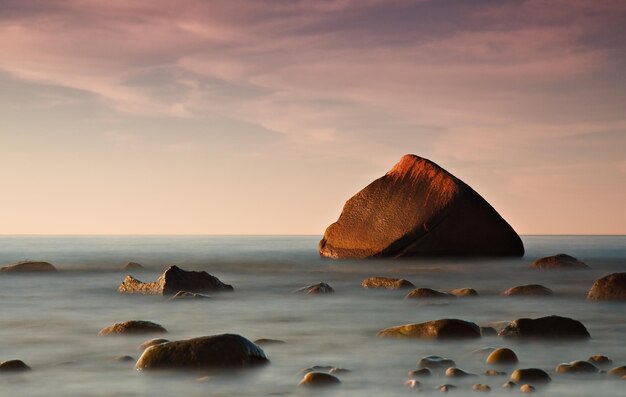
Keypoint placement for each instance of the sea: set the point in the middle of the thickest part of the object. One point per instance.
(51, 321)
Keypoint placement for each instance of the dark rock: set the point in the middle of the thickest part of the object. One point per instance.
(554, 327)
(454, 372)
(132, 327)
(502, 356)
(427, 293)
(437, 329)
(528, 290)
(600, 360)
(418, 209)
(212, 352)
(124, 359)
(435, 362)
(534, 375)
(133, 265)
(316, 289)
(488, 331)
(481, 387)
(577, 367)
(527, 388)
(173, 280)
(618, 371)
(422, 372)
(464, 292)
(267, 342)
(14, 366)
(186, 295)
(29, 267)
(386, 282)
(151, 342)
(319, 379)
(611, 287)
(559, 261)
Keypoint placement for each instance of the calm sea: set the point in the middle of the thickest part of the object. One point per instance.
(51, 322)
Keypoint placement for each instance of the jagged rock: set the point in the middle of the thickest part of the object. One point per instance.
(418, 209)
(418, 293)
(14, 366)
(437, 329)
(611, 287)
(173, 280)
(217, 352)
(528, 290)
(316, 289)
(319, 379)
(29, 267)
(132, 327)
(546, 327)
(386, 282)
(559, 261)
(534, 375)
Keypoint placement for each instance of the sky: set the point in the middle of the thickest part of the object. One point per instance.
(264, 117)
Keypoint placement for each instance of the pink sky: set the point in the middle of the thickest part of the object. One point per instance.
(264, 117)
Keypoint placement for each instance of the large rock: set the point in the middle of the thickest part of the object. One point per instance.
(611, 287)
(558, 261)
(173, 280)
(418, 209)
(437, 329)
(28, 267)
(551, 327)
(217, 351)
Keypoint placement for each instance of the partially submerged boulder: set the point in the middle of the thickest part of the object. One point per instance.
(528, 290)
(209, 352)
(14, 366)
(316, 289)
(533, 375)
(464, 292)
(425, 293)
(611, 287)
(186, 295)
(132, 327)
(29, 267)
(437, 329)
(435, 362)
(133, 265)
(577, 367)
(418, 209)
(559, 261)
(319, 379)
(386, 282)
(550, 327)
(173, 280)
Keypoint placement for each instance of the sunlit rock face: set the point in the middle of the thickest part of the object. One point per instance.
(418, 209)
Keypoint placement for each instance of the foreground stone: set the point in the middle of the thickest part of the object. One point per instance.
(133, 327)
(427, 293)
(319, 379)
(577, 367)
(14, 366)
(611, 287)
(559, 261)
(530, 375)
(437, 329)
(528, 290)
(29, 267)
(418, 209)
(387, 283)
(211, 352)
(175, 279)
(502, 356)
(316, 289)
(545, 327)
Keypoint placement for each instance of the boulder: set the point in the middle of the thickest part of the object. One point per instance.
(437, 329)
(559, 261)
(14, 366)
(502, 356)
(551, 327)
(316, 289)
(532, 375)
(319, 379)
(29, 267)
(132, 327)
(528, 290)
(611, 287)
(173, 280)
(428, 293)
(386, 282)
(211, 352)
(577, 367)
(418, 209)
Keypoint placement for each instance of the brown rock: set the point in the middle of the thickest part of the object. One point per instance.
(464, 292)
(618, 371)
(316, 289)
(14, 366)
(437, 329)
(418, 209)
(534, 375)
(212, 352)
(386, 282)
(502, 356)
(527, 388)
(559, 261)
(266, 342)
(428, 293)
(133, 327)
(319, 379)
(611, 287)
(29, 267)
(493, 372)
(173, 280)
(481, 387)
(546, 327)
(577, 367)
(151, 342)
(528, 290)
(509, 385)
(454, 372)
(422, 372)
(600, 360)
(412, 384)
(445, 388)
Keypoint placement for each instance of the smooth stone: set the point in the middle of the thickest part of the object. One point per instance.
(422, 372)
(267, 342)
(151, 342)
(29, 267)
(437, 329)
(502, 356)
(527, 388)
(132, 327)
(14, 366)
(435, 362)
(464, 292)
(454, 372)
(173, 280)
(550, 327)
(488, 331)
(534, 375)
(577, 367)
(617, 371)
(387, 283)
(611, 287)
(211, 352)
(559, 261)
(600, 360)
(428, 293)
(493, 372)
(133, 266)
(509, 385)
(186, 295)
(481, 387)
(412, 384)
(528, 290)
(316, 289)
(418, 209)
(445, 388)
(319, 379)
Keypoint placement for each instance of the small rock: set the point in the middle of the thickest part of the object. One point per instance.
(437, 329)
(600, 360)
(133, 266)
(611, 287)
(14, 366)
(528, 290)
(559, 261)
(509, 385)
(412, 384)
(316, 289)
(618, 371)
(454, 372)
(577, 367)
(445, 388)
(428, 293)
(387, 283)
(151, 342)
(267, 342)
(435, 362)
(481, 387)
(186, 295)
(28, 267)
(464, 292)
(502, 356)
(484, 350)
(123, 359)
(488, 331)
(132, 327)
(550, 327)
(422, 372)
(493, 372)
(534, 375)
(527, 388)
(319, 379)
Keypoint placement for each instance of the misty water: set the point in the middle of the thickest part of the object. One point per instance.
(51, 321)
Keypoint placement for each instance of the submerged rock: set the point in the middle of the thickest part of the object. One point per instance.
(464, 292)
(528, 290)
(266, 342)
(418, 293)
(412, 384)
(186, 295)
(618, 371)
(437, 329)
(611, 287)
(216, 352)
(418, 209)
(577, 367)
(14, 366)
(151, 342)
(488, 331)
(435, 362)
(316, 289)
(502, 356)
(534, 375)
(133, 265)
(445, 387)
(600, 360)
(527, 388)
(319, 379)
(551, 327)
(386, 282)
(29, 267)
(481, 387)
(132, 327)
(173, 280)
(559, 261)
(454, 372)
(422, 372)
